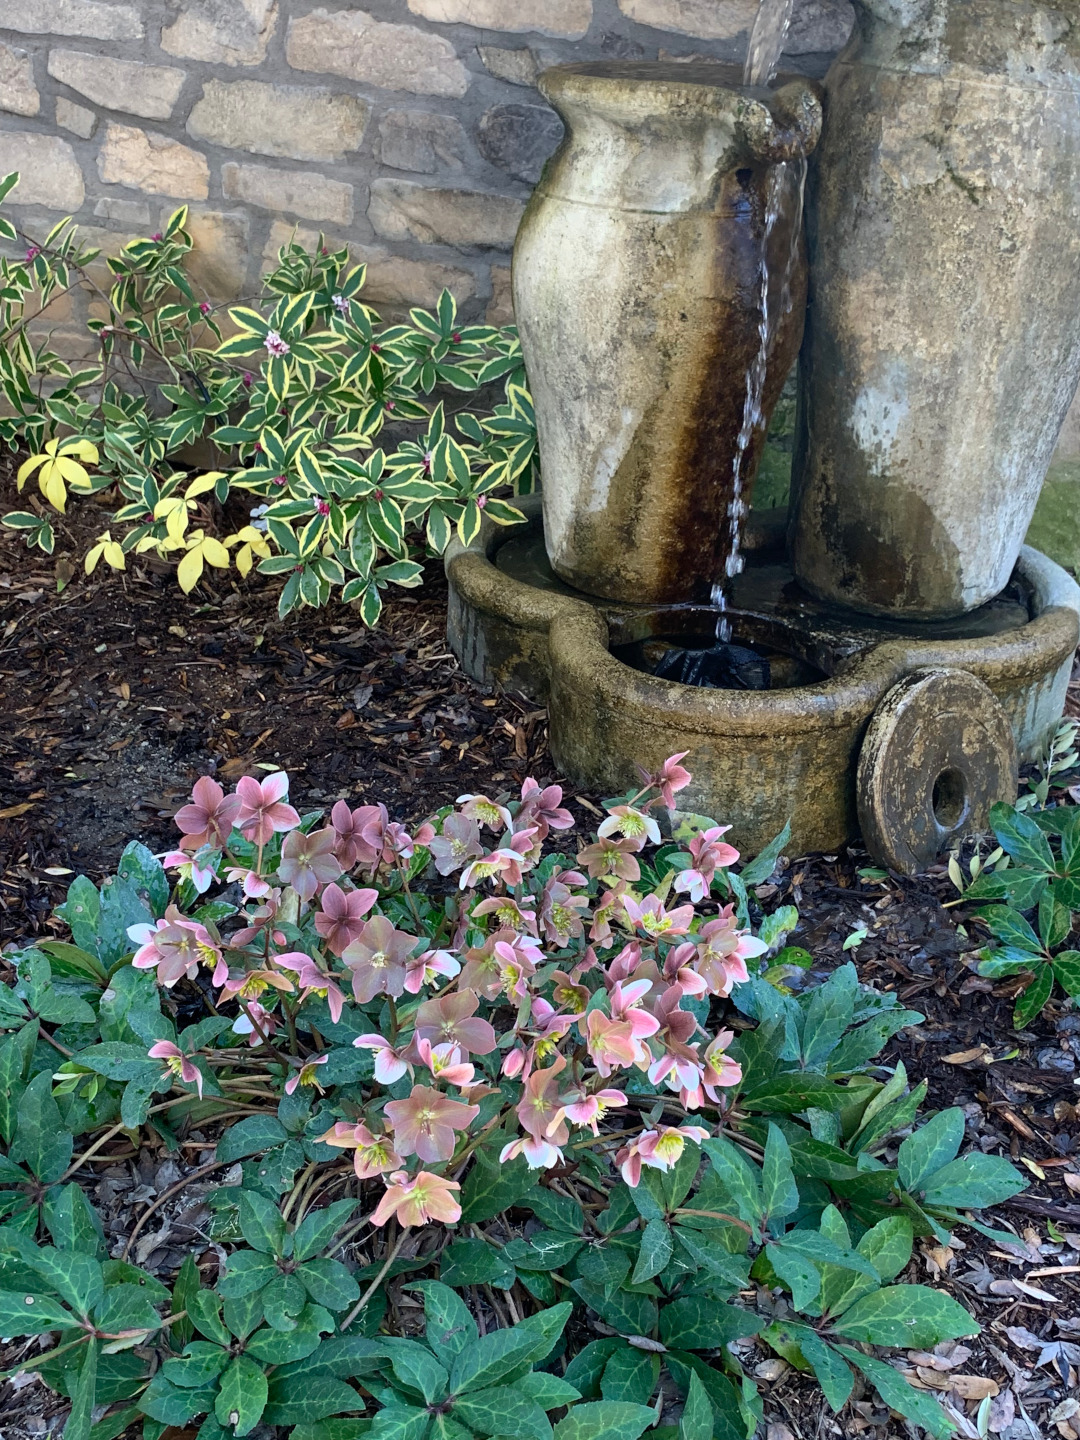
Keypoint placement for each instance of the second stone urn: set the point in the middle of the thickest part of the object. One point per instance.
(943, 328)
(659, 284)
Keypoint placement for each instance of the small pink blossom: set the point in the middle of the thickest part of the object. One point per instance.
(445, 1063)
(588, 1110)
(253, 1019)
(670, 779)
(208, 817)
(659, 1149)
(175, 947)
(314, 981)
(250, 881)
(390, 1063)
(453, 1019)
(262, 807)
(275, 345)
(418, 1201)
(199, 869)
(352, 849)
(425, 969)
(374, 1154)
(651, 916)
(631, 823)
(377, 959)
(540, 1154)
(425, 1123)
(542, 809)
(485, 812)
(457, 845)
(308, 861)
(307, 1074)
(340, 919)
(178, 1063)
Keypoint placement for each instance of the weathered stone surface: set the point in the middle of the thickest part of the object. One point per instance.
(704, 19)
(519, 138)
(95, 20)
(392, 280)
(145, 161)
(297, 191)
(219, 257)
(819, 26)
(569, 19)
(222, 32)
(404, 210)
(76, 118)
(150, 91)
(18, 93)
(947, 384)
(396, 57)
(500, 310)
(131, 214)
(418, 140)
(517, 66)
(304, 123)
(49, 173)
(1068, 447)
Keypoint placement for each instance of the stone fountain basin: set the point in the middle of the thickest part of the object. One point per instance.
(759, 758)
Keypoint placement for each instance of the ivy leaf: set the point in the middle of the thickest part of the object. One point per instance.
(200, 1364)
(246, 1272)
(329, 1283)
(261, 1223)
(449, 1326)
(625, 1312)
(605, 1420)
(241, 1396)
(501, 1411)
(930, 1147)
(291, 1402)
(697, 1416)
(697, 1323)
(909, 1315)
(549, 1391)
(318, 1228)
(249, 1137)
(655, 1252)
(973, 1182)
(490, 1188)
(475, 1262)
(484, 1362)
(1031, 1001)
(780, 1194)
(899, 1395)
(1019, 836)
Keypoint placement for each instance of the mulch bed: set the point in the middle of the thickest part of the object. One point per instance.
(117, 692)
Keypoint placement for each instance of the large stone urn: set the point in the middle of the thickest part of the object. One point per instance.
(659, 288)
(942, 344)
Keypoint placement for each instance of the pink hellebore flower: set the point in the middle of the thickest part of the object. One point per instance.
(671, 778)
(651, 916)
(251, 1020)
(631, 823)
(610, 861)
(452, 1019)
(457, 845)
(611, 1043)
(262, 807)
(425, 1123)
(314, 981)
(308, 1074)
(659, 1149)
(539, 1153)
(709, 854)
(539, 1106)
(175, 947)
(390, 1064)
(250, 881)
(208, 817)
(200, 868)
(177, 1062)
(422, 969)
(720, 1072)
(377, 959)
(418, 1201)
(723, 951)
(308, 861)
(485, 812)
(543, 809)
(374, 1154)
(509, 862)
(588, 1110)
(445, 1063)
(352, 849)
(340, 921)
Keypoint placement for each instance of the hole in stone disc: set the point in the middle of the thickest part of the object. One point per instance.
(950, 799)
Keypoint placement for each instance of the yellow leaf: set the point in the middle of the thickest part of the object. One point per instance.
(189, 570)
(114, 554)
(83, 449)
(168, 505)
(92, 558)
(72, 471)
(51, 482)
(203, 483)
(148, 542)
(214, 553)
(27, 468)
(243, 560)
(50, 446)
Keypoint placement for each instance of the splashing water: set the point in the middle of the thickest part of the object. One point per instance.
(767, 41)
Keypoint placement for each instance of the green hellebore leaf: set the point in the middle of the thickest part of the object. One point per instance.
(908, 1315)
(241, 1396)
(605, 1420)
(929, 1148)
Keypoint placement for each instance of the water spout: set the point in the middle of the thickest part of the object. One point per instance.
(767, 41)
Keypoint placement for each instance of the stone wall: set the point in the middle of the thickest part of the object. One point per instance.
(410, 128)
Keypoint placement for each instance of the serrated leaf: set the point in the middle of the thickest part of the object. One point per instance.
(697, 1323)
(898, 1395)
(780, 1194)
(501, 1410)
(630, 1375)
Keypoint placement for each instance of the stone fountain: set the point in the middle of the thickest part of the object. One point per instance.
(881, 659)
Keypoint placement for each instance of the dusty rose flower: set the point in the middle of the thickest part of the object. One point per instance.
(561, 910)
(515, 970)
(177, 1062)
(175, 947)
(631, 823)
(262, 918)
(390, 1063)
(425, 968)
(377, 959)
(723, 950)
(509, 862)
(670, 779)
(250, 881)
(262, 807)
(352, 849)
(651, 916)
(542, 808)
(308, 861)
(314, 981)
(200, 869)
(509, 914)
(253, 1019)
(485, 812)
(425, 1123)
(610, 860)
(587, 1110)
(611, 1043)
(340, 920)
(375, 1154)
(446, 1063)
(418, 1201)
(720, 1071)
(208, 817)
(457, 845)
(308, 1074)
(250, 984)
(452, 1019)
(568, 994)
(659, 1149)
(538, 1152)
(539, 1105)
(709, 854)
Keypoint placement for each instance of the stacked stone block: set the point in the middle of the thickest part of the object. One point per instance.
(411, 129)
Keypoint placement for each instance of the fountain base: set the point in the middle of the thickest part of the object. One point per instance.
(761, 757)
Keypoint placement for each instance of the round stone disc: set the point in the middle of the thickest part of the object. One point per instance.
(939, 751)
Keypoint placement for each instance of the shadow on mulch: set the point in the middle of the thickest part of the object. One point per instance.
(117, 692)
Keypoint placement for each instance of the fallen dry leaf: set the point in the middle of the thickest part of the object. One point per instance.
(967, 1057)
(944, 1357)
(13, 810)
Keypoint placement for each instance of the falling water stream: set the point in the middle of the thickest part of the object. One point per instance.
(767, 41)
